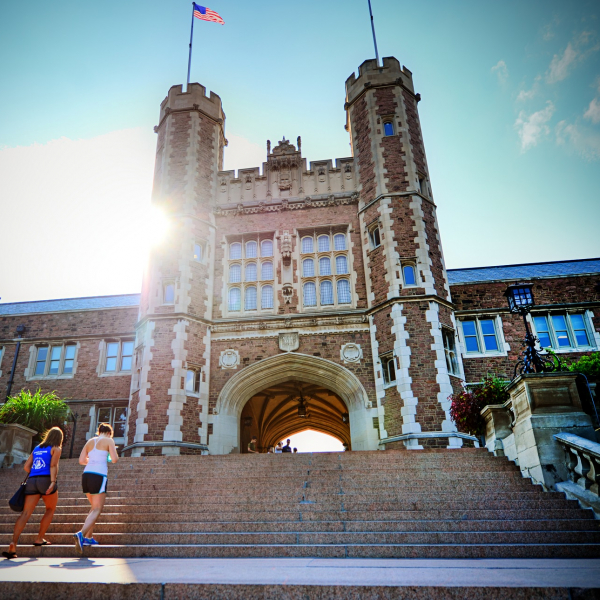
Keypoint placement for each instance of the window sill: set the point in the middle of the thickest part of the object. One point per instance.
(50, 377)
(192, 394)
(116, 374)
(392, 384)
(484, 354)
(569, 350)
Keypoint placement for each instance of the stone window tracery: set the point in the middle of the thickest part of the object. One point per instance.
(247, 266)
(325, 251)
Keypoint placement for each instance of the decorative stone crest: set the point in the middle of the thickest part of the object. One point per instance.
(288, 292)
(229, 359)
(351, 353)
(289, 341)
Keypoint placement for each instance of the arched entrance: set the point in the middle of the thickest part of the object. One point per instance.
(294, 368)
(291, 407)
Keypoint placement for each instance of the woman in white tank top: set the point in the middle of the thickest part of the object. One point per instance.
(95, 456)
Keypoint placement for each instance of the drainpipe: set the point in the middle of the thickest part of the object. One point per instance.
(20, 330)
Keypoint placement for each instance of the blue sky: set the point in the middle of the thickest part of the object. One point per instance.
(510, 116)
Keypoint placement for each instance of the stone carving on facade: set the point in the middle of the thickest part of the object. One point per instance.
(351, 353)
(289, 341)
(286, 247)
(298, 204)
(325, 321)
(288, 292)
(229, 359)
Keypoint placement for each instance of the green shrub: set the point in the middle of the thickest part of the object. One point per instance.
(467, 405)
(589, 365)
(37, 411)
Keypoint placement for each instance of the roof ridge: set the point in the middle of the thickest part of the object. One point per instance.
(548, 262)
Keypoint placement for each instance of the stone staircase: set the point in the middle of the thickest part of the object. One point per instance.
(394, 504)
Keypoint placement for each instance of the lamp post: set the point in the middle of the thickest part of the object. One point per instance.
(520, 302)
(74, 416)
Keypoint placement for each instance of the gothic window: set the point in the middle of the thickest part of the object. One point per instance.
(266, 299)
(374, 236)
(310, 294)
(324, 266)
(235, 273)
(250, 268)
(343, 291)
(116, 417)
(169, 293)
(251, 248)
(193, 377)
(408, 273)
(251, 272)
(341, 265)
(266, 248)
(250, 298)
(307, 245)
(266, 271)
(235, 299)
(199, 251)
(388, 366)
(328, 251)
(388, 128)
(326, 292)
(308, 267)
(450, 351)
(339, 241)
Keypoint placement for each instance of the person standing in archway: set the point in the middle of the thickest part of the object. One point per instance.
(287, 447)
(252, 445)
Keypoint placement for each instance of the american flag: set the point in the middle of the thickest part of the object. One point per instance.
(205, 14)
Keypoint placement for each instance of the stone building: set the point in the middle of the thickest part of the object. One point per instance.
(292, 296)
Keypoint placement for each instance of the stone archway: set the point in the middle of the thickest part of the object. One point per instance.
(292, 367)
(273, 414)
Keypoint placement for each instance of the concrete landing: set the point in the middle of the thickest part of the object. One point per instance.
(295, 578)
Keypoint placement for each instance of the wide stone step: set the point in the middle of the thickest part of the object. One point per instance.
(325, 551)
(536, 525)
(318, 538)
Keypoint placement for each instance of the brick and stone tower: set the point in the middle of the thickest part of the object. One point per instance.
(411, 315)
(172, 335)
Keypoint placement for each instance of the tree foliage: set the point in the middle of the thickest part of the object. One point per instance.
(467, 404)
(38, 411)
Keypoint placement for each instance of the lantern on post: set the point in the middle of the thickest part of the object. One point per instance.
(520, 302)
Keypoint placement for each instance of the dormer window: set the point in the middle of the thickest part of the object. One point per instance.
(388, 128)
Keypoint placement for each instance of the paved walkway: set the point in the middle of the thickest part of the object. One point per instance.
(557, 573)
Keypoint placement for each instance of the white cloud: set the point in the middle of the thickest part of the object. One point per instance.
(533, 127)
(593, 112)
(501, 71)
(523, 95)
(576, 52)
(560, 65)
(582, 140)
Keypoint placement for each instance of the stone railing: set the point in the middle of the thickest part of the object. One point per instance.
(15, 444)
(582, 458)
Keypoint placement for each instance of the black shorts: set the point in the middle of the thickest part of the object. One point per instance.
(92, 483)
(38, 484)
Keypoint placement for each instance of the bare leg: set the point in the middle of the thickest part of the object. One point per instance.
(97, 502)
(30, 504)
(50, 502)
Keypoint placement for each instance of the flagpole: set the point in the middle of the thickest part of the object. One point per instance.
(372, 29)
(190, 56)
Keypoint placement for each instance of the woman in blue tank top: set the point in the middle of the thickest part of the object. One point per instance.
(42, 466)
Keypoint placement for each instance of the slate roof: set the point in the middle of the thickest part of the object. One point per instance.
(561, 268)
(67, 304)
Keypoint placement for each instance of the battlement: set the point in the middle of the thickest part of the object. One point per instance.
(194, 99)
(369, 75)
